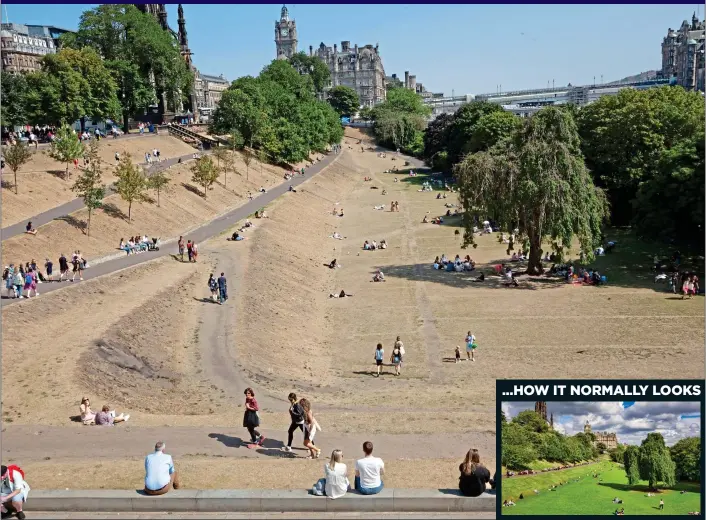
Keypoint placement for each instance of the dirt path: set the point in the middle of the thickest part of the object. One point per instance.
(29, 443)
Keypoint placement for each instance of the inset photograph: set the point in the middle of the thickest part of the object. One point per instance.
(601, 458)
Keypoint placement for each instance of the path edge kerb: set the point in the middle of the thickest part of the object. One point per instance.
(258, 501)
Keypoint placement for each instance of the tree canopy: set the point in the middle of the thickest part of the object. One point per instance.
(143, 59)
(651, 461)
(314, 67)
(278, 113)
(344, 100)
(536, 183)
(400, 121)
(686, 455)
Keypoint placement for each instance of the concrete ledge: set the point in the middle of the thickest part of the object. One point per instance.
(257, 500)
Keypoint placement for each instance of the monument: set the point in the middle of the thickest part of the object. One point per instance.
(285, 35)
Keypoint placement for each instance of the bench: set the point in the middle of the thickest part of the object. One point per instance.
(256, 500)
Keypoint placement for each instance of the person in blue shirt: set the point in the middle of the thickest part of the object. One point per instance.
(222, 288)
(160, 474)
(379, 356)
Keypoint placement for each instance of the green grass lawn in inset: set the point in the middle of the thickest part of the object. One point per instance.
(594, 496)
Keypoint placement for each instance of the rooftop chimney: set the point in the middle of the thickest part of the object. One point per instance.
(406, 79)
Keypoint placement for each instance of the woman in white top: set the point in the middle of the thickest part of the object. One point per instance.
(336, 474)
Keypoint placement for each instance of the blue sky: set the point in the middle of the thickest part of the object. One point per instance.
(470, 49)
(630, 420)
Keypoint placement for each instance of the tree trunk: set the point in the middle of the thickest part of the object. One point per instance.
(129, 211)
(158, 205)
(88, 228)
(534, 266)
(83, 124)
(126, 126)
(15, 172)
(66, 174)
(225, 178)
(205, 191)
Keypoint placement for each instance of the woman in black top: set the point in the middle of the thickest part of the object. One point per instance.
(474, 476)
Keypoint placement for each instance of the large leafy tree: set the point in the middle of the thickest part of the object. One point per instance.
(400, 120)
(624, 138)
(144, 59)
(535, 182)
(491, 128)
(344, 100)
(656, 464)
(436, 135)
(631, 463)
(314, 67)
(460, 134)
(686, 455)
(13, 100)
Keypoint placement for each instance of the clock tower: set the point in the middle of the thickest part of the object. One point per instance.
(285, 35)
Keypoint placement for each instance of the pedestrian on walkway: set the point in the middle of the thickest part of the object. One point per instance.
(251, 417)
(188, 249)
(48, 268)
(379, 357)
(296, 415)
(181, 247)
(18, 282)
(222, 289)
(396, 359)
(194, 251)
(213, 287)
(30, 283)
(63, 268)
(311, 426)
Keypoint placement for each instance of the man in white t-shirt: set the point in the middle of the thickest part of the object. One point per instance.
(159, 471)
(368, 472)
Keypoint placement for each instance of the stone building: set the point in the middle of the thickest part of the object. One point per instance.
(609, 439)
(24, 46)
(285, 35)
(683, 54)
(209, 90)
(359, 68)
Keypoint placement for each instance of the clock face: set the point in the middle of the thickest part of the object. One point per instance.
(284, 32)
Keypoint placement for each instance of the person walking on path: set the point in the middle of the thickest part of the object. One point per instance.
(470, 346)
(181, 247)
(189, 252)
(396, 359)
(400, 345)
(49, 269)
(311, 425)
(77, 261)
(213, 287)
(296, 415)
(222, 288)
(194, 251)
(18, 282)
(379, 356)
(251, 417)
(63, 268)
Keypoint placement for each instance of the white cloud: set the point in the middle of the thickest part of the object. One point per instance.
(630, 424)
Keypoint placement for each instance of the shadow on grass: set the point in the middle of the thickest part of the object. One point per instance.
(193, 189)
(6, 184)
(74, 222)
(59, 174)
(113, 211)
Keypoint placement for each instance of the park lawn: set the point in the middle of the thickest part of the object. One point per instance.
(591, 497)
(538, 465)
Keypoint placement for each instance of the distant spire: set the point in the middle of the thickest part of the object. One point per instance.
(183, 38)
(284, 15)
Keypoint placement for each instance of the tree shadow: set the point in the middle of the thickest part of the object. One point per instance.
(193, 189)
(74, 222)
(59, 174)
(6, 184)
(426, 273)
(113, 211)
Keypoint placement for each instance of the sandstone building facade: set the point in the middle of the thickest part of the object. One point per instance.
(609, 439)
(683, 54)
(24, 46)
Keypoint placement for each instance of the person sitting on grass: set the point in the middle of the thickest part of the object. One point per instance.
(474, 476)
(87, 415)
(379, 276)
(13, 490)
(368, 472)
(342, 294)
(237, 237)
(29, 229)
(106, 417)
(160, 473)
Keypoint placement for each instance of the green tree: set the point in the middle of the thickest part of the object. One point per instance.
(314, 67)
(89, 185)
(625, 136)
(459, 135)
(631, 462)
(436, 135)
(601, 447)
(204, 173)
(344, 100)
(13, 99)
(686, 455)
(131, 184)
(536, 183)
(617, 454)
(491, 128)
(366, 113)
(219, 153)
(228, 166)
(97, 97)
(56, 97)
(16, 156)
(144, 60)
(531, 420)
(66, 147)
(159, 182)
(656, 464)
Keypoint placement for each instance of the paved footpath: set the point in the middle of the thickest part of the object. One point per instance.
(212, 228)
(34, 443)
(77, 204)
(254, 516)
